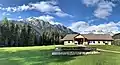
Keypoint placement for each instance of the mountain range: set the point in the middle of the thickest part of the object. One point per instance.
(41, 26)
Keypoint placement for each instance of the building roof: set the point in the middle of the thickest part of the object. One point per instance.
(69, 37)
(89, 36)
(98, 36)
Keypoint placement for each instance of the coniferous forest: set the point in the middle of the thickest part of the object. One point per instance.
(30, 33)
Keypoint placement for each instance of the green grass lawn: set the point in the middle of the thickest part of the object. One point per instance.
(41, 55)
(107, 47)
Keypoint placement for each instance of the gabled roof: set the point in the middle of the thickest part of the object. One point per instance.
(89, 36)
(70, 36)
(98, 36)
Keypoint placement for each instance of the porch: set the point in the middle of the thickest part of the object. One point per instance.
(80, 41)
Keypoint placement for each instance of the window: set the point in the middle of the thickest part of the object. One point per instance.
(89, 41)
(68, 41)
(93, 41)
(76, 43)
(103, 41)
(98, 41)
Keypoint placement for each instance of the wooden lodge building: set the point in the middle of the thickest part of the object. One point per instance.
(87, 39)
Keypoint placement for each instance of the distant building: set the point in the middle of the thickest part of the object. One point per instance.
(87, 39)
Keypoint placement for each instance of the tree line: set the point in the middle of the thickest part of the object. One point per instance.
(116, 40)
(20, 34)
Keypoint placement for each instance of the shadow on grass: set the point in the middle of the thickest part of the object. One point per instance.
(32, 57)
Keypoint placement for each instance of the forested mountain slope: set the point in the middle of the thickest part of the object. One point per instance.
(34, 32)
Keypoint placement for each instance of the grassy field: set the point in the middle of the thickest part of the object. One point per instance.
(41, 55)
(107, 47)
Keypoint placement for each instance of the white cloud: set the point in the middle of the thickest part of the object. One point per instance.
(79, 26)
(5, 14)
(104, 9)
(1, 4)
(17, 9)
(92, 20)
(62, 14)
(49, 7)
(83, 27)
(10, 18)
(44, 6)
(19, 17)
(90, 2)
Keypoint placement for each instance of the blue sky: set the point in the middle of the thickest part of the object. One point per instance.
(80, 15)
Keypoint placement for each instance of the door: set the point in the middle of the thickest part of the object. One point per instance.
(80, 41)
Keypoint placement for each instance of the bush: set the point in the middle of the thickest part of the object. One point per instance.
(116, 42)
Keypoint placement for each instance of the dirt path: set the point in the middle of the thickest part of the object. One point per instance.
(108, 51)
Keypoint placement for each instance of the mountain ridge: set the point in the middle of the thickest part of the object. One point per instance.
(42, 25)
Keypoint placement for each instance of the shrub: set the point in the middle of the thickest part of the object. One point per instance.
(116, 42)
